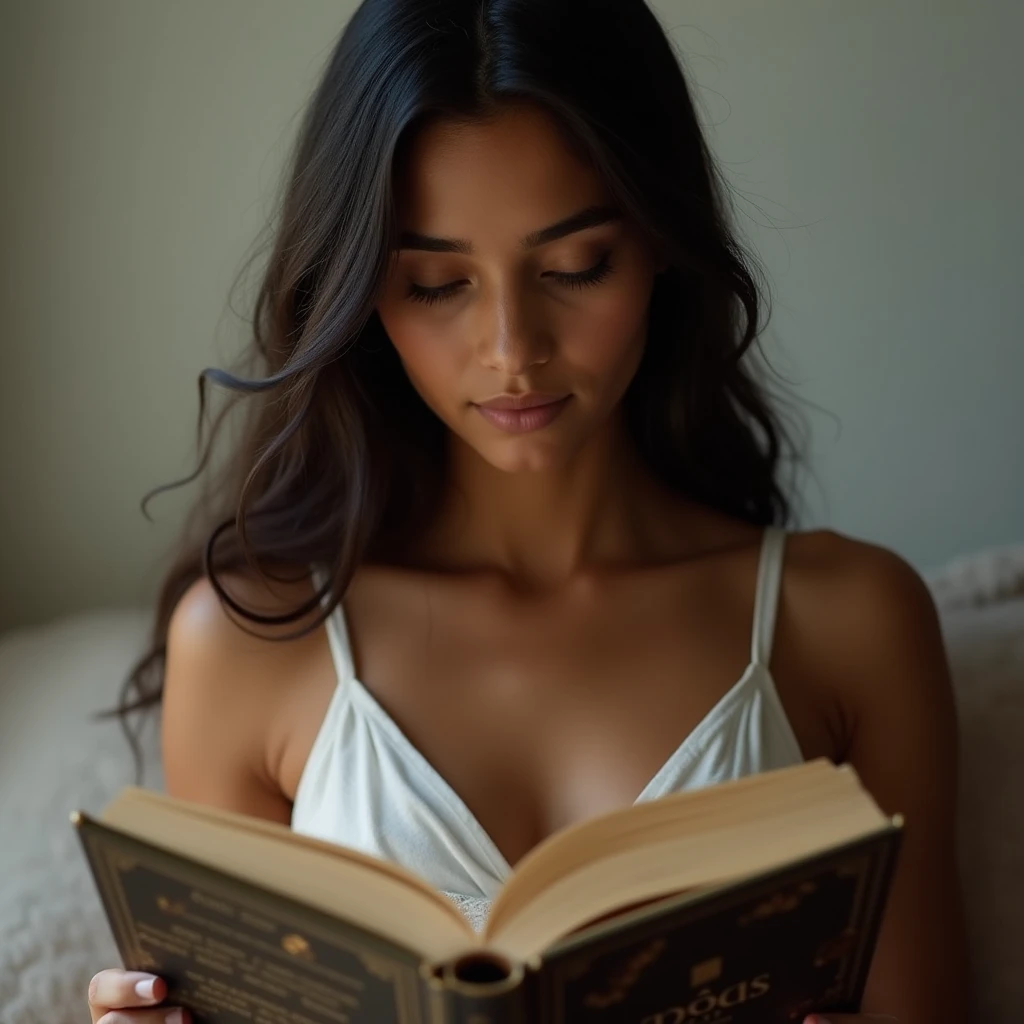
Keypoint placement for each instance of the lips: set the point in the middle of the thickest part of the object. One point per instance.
(516, 403)
(523, 414)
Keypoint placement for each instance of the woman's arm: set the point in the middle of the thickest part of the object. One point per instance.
(889, 665)
(219, 697)
(217, 711)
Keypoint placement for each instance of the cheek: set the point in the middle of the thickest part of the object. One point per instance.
(431, 361)
(609, 342)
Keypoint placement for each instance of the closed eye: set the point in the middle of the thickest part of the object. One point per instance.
(584, 279)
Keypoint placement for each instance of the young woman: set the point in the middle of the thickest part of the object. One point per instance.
(504, 545)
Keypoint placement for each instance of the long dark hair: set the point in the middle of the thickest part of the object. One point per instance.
(340, 461)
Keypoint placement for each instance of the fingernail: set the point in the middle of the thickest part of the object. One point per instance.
(176, 1016)
(145, 989)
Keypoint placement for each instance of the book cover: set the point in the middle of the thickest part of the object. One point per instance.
(772, 948)
(234, 953)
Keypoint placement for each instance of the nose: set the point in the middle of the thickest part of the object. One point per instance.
(512, 341)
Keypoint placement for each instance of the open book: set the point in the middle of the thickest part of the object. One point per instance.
(759, 896)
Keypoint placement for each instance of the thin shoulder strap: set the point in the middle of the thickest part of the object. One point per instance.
(766, 601)
(337, 634)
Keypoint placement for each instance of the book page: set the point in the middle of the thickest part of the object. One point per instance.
(684, 841)
(378, 896)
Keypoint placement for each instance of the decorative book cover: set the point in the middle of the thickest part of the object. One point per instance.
(769, 949)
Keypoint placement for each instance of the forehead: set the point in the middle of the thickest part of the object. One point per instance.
(514, 171)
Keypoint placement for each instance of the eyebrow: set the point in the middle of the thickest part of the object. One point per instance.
(591, 217)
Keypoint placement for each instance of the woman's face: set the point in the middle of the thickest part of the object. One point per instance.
(523, 340)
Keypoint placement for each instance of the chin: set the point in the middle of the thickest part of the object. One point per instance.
(524, 455)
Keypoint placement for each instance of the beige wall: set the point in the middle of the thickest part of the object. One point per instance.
(877, 144)
(147, 138)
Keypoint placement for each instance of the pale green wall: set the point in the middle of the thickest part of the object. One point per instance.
(878, 146)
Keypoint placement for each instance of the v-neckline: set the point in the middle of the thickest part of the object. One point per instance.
(686, 750)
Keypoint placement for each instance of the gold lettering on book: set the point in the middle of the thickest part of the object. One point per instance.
(212, 964)
(212, 903)
(169, 906)
(156, 939)
(259, 923)
(378, 966)
(706, 972)
(287, 976)
(707, 1002)
(225, 949)
(297, 946)
(189, 934)
(784, 902)
(331, 1013)
(624, 980)
(256, 981)
(222, 940)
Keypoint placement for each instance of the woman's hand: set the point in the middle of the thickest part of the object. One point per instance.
(122, 997)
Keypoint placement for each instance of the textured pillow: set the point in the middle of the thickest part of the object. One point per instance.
(53, 935)
(981, 600)
(974, 581)
(986, 650)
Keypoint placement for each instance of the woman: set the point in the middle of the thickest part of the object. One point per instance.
(506, 414)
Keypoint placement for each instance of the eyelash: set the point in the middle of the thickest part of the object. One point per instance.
(585, 279)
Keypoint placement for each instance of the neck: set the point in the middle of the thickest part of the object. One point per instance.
(542, 528)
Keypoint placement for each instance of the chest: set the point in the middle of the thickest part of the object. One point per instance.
(539, 711)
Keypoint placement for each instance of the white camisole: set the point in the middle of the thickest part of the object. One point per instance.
(367, 787)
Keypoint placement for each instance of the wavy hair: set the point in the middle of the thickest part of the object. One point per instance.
(339, 460)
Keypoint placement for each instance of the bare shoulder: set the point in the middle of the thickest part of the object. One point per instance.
(840, 593)
(867, 628)
(856, 592)
(203, 620)
(229, 683)
(215, 653)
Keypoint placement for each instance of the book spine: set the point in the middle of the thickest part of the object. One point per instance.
(883, 870)
(458, 994)
(451, 1007)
